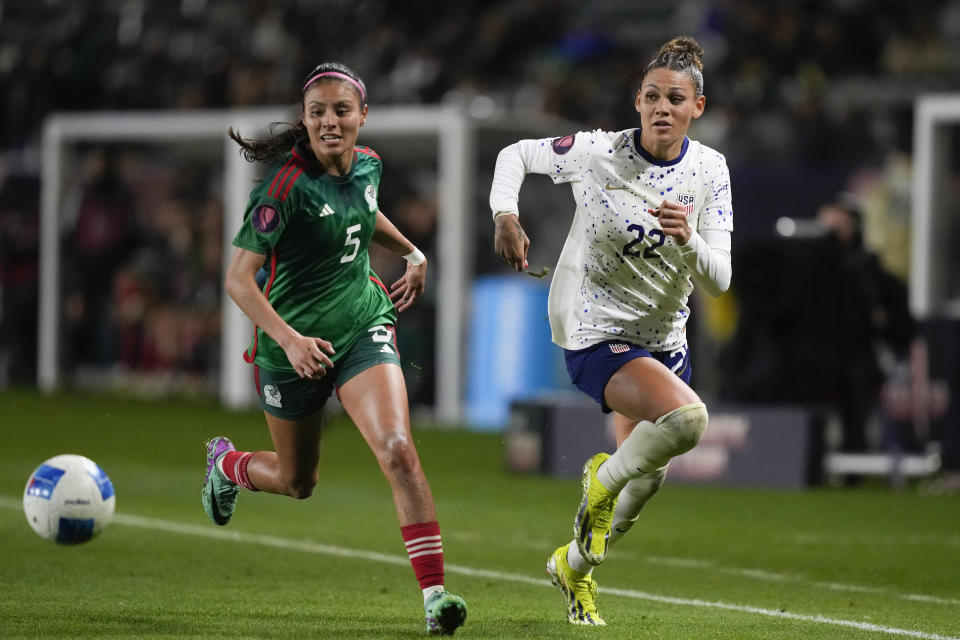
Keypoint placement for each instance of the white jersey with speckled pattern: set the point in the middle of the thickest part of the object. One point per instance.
(619, 276)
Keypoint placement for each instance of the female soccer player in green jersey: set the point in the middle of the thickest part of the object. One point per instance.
(325, 322)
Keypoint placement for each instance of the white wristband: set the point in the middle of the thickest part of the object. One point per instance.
(415, 257)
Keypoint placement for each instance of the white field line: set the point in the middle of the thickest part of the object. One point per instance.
(216, 533)
(773, 576)
(919, 539)
(743, 572)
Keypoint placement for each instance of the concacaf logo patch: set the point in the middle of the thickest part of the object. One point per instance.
(563, 145)
(265, 218)
(370, 195)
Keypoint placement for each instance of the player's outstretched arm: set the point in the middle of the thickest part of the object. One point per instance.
(513, 163)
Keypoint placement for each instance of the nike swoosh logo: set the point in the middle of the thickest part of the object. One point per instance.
(216, 512)
(613, 187)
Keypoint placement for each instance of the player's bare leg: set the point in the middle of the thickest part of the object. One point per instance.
(291, 468)
(645, 389)
(376, 401)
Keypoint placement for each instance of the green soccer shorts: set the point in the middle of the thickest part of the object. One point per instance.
(286, 395)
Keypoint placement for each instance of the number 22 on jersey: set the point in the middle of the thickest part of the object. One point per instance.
(656, 236)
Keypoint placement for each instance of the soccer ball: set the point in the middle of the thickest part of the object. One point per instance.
(68, 499)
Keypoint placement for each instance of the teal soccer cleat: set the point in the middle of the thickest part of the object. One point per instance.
(219, 493)
(445, 613)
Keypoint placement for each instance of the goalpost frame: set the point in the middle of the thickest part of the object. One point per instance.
(450, 125)
(929, 217)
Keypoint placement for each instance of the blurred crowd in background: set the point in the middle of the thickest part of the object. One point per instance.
(806, 98)
(810, 81)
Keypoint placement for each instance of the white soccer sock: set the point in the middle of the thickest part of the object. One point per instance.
(429, 591)
(632, 498)
(576, 561)
(650, 446)
(616, 471)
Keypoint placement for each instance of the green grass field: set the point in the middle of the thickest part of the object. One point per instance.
(702, 563)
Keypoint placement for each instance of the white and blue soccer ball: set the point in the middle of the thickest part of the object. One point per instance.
(69, 499)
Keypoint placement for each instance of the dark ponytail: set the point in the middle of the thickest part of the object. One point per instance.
(269, 149)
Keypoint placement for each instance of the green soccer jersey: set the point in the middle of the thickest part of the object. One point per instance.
(315, 229)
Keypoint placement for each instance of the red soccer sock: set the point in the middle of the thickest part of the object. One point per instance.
(234, 466)
(425, 550)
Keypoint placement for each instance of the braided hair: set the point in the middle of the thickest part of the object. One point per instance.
(269, 149)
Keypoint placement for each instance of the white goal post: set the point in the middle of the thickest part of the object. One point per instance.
(452, 129)
(930, 233)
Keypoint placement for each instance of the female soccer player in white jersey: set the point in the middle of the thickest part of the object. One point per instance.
(653, 217)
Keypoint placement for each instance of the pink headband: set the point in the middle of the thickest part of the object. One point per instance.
(337, 74)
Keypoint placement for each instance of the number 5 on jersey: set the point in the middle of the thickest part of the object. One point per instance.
(351, 240)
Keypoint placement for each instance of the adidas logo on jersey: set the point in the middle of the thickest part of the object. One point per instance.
(326, 211)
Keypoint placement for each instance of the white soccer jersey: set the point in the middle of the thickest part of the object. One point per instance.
(619, 276)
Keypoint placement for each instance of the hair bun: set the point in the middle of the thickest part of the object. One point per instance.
(683, 46)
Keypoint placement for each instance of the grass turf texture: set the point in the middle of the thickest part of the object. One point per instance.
(863, 555)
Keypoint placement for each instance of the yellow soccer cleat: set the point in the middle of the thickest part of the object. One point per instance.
(591, 527)
(579, 591)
